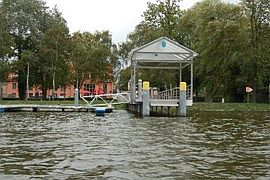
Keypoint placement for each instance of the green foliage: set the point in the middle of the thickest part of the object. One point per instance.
(4, 69)
(51, 67)
(124, 79)
(160, 19)
(93, 56)
(5, 47)
(218, 29)
(257, 63)
(232, 41)
(24, 19)
(5, 38)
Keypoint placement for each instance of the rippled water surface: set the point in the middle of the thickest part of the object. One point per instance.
(209, 145)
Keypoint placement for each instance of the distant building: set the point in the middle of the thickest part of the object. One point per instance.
(9, 89)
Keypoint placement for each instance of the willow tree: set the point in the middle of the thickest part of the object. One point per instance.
(219, 29)
(257, 48)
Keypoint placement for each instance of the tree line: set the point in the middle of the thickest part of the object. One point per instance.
(36, 37)
(233, 42)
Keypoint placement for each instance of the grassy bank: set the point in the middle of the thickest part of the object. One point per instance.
(229, 107)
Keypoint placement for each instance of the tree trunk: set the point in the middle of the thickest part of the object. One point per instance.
(208, 97)
(1, 92)
(43, 87)
(22, 85)
(254, 92)
(44, 93)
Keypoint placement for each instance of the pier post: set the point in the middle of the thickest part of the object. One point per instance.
(76, 97)
(140, 89)
(146, 104)
(182, 107)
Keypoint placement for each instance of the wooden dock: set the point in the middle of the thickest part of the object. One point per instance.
(49, 108)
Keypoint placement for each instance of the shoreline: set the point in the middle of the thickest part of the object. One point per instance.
(197, 106)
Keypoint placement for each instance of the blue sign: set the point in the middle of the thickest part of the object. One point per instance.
(163, 44)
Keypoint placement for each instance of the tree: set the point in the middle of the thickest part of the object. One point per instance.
(24, 20)
(5, 49)
(163, 15)
(5, 38)
(257, 63)
(92, 57)
(160, 19)
(219, 31)
(51, 64)
(124, 79)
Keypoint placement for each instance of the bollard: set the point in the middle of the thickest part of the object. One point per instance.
(146, 104)
(182, 106)
(76, 97)
(140, 89)
(222, 100)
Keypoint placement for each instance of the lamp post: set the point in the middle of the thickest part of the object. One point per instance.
(53, 68)
(53, 82)
(27, 82)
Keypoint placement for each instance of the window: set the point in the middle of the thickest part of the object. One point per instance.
(14, 86)
(86, 87)
(92, 87)
(89, 87)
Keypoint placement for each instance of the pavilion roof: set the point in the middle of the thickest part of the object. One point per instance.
(162, 49)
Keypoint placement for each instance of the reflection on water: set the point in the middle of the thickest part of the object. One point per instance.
(210, 145)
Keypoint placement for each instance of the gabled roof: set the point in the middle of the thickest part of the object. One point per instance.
(162, 49)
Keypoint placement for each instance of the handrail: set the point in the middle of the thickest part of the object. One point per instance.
(122, 98)
(173, 93)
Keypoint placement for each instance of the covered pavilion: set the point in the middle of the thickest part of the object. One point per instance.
(162, 51)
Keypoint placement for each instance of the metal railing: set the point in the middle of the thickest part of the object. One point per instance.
(168, 94)
(114, 99)
(173, 93)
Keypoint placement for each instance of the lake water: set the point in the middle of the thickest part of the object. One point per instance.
(207, 145)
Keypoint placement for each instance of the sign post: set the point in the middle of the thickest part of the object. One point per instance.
(248, 90)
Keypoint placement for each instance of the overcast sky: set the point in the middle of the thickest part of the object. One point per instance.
(118, 16)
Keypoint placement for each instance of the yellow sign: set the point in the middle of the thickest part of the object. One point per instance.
(183, 86)
(146, 86)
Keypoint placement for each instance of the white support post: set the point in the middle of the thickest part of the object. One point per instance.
(134, 82)
(182, 106)
(191, 82)
(180, 73)
(27, 82)
(140, 89)
(76, 97)
(146, 103)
